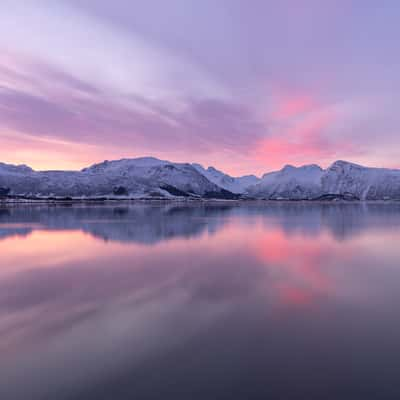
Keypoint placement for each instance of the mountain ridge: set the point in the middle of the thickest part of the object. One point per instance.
(149, 177)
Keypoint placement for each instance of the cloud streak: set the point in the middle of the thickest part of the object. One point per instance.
(245, 89)
(65, 109)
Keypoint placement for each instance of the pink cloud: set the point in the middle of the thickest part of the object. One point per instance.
(299, 133)
(293, 106)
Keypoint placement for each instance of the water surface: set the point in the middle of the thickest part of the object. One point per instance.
(213, 301)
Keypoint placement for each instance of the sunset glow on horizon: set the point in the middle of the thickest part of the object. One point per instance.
(246, 89)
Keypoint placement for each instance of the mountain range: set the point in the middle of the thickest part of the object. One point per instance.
(151, 178)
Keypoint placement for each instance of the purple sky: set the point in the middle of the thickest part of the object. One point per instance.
(246, 86)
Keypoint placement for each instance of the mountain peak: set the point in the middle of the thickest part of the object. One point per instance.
(126, 162)
(306, 167)
(344, 165)
(22, 168)
(288, 167)
(212, 169)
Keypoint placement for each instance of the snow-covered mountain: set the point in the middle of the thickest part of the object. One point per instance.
(235, 185)
(289, 183)
(341, 180)
(365, 183)
(149, 177)
(134, 178)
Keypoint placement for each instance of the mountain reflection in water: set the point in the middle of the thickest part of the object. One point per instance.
(210, 301)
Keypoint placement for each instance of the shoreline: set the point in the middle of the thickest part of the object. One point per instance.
(183, 201)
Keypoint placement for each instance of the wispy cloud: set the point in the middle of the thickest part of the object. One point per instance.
(48, 104)
(246, 89)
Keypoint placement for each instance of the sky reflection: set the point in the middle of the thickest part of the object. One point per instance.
(94, 299)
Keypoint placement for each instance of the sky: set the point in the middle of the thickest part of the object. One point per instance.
(245, 86)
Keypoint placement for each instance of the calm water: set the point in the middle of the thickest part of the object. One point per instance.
(200, 302)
